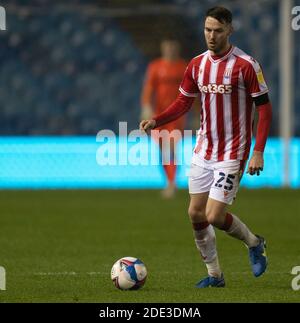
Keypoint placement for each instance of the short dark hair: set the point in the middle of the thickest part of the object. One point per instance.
(222, 14)
(169, 38)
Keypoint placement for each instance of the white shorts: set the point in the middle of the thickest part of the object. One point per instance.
(220, 179)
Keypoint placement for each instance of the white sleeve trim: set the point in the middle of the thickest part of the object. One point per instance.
(254, 95)
(192, 95)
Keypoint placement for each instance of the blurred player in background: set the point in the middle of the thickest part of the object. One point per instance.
(229, 82)
(162, 81)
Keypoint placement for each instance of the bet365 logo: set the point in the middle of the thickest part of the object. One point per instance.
(296, 280)
(214, 88)
(296, 20)
(2, 278)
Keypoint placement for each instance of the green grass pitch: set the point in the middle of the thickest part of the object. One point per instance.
(59, 246)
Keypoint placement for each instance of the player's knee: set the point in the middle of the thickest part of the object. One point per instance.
(212, 218)
(196, 215)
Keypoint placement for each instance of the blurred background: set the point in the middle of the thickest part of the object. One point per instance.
(69, 70)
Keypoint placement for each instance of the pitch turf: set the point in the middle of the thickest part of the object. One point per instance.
(59, 246)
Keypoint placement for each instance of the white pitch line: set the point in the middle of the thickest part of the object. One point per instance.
(69, 273)
(100, 273)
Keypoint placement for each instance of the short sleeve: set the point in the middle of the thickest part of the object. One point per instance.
(188, 86)
(254, 79)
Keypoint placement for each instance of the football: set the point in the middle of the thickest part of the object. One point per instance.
(129, 273)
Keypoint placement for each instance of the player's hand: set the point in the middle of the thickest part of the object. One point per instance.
(147, 125)
(256, 163)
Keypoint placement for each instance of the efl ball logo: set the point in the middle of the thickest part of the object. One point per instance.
(129, 273)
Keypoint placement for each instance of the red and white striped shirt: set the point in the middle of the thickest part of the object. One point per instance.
(226, 85)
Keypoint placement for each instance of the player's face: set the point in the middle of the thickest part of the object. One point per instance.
(216, 35)
(170, 49)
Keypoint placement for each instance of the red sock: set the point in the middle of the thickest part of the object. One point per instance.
(200, 226)
(228, 222)
(170, 171)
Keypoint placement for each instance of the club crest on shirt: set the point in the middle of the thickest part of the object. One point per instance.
(260, 77)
